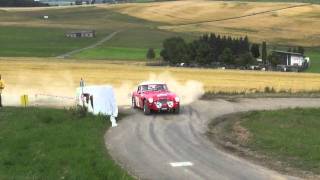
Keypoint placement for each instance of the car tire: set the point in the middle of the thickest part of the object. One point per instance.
(177, 110)
(146, 109)
(133, 103)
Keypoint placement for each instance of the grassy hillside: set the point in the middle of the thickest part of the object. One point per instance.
(26, 33)
(131, 44)
(144, 25)
(54, 144)
(38, 41)
(291, 136)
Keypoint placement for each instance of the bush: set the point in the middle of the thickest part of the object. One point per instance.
(79, 111)
(245, 60)
(174, 50)
(150, 54)
(268, 89)
(274, 59)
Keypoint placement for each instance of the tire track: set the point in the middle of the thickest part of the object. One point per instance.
(103, 40)
(243, 16)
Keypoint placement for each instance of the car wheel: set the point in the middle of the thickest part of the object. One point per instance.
(177, 110)
(146, 109)
(133, 105)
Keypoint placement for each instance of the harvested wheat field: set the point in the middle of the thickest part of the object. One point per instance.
(279, 23)
(59, 77)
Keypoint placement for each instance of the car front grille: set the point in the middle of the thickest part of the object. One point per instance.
(163, 101)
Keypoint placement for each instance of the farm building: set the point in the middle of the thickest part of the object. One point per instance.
(79, 34)
(292, 59)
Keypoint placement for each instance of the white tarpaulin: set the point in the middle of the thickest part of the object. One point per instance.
(99, 100)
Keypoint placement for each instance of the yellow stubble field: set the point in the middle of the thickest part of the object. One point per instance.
(62, 76)
(298, 25)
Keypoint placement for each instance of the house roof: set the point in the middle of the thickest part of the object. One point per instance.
(286, 52)
(82, 31)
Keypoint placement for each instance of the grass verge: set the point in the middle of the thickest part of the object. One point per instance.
(54, 144)
(284, 140)
(291, 136)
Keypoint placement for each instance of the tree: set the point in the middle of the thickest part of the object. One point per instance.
(203, 53)
(295, 50)
(301, 50)
(174, 50)
(264, 52)
(274, 59)
(150, 54)
(227, 57)
(21, 3)
(245, 60)
(245, 45)
(255, 50)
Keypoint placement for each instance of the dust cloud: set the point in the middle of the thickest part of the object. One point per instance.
(187, 91)
(42, 90)
(59, 89)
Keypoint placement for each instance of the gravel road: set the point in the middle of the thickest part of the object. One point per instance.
(146, 145)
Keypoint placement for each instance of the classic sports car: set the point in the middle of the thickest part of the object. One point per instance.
(153, 96)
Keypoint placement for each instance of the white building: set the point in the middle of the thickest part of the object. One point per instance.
(291, 58)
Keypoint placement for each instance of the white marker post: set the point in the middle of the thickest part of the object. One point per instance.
(82, 86)
(181, 164)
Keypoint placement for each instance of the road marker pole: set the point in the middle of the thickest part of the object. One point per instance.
(181, 164)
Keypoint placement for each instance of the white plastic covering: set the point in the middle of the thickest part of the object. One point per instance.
(104, 101)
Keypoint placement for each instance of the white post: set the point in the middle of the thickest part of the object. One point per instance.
(82, 85)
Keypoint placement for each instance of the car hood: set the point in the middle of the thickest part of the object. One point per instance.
(159, 95)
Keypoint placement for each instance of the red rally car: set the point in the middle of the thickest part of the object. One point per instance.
(153, 96)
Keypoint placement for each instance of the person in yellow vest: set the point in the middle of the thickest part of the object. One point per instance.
(1, 88)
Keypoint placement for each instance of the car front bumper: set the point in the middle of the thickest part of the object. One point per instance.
(155, 106)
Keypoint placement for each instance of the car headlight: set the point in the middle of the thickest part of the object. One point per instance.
(170, 104)
(159, 105)
(150, 100)
(177, 99)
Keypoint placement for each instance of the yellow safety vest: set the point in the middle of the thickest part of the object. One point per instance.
(1, 85)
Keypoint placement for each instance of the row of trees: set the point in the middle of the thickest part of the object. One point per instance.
(21, 3)
(210, 49)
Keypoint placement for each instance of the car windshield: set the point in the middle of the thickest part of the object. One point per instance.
(154, 87)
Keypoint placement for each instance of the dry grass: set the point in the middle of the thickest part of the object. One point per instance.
(61, 77)
(296, 26)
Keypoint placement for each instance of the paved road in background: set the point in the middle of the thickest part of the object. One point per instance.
(103, 40)
(146, 145)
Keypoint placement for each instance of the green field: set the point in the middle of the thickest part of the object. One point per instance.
(54, 144)
(35, 37)
(291, 136)
(38, 42)
(131, 44)
(315, 60)
(115, 53)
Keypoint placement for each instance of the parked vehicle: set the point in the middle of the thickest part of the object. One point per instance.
(155, 97)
